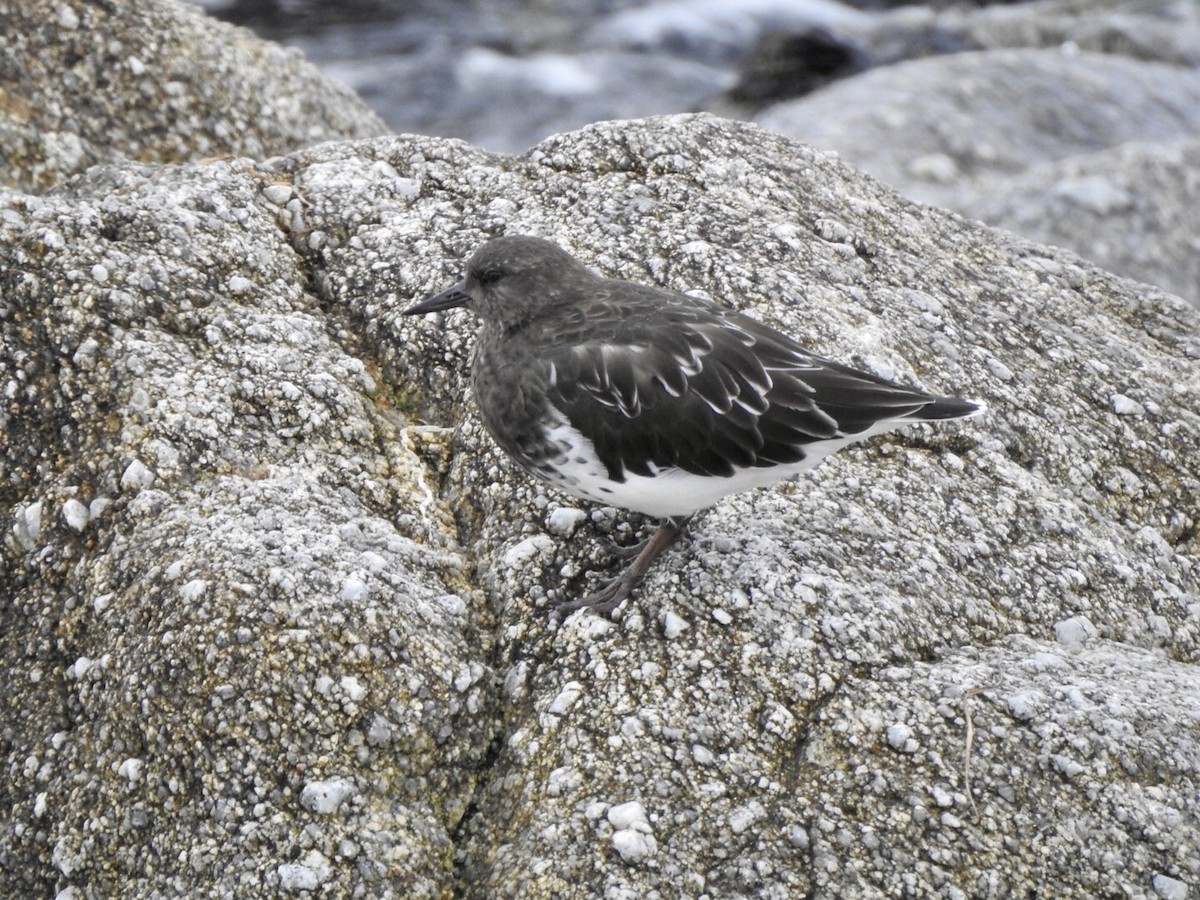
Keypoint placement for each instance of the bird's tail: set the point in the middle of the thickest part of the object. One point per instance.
(949, 408)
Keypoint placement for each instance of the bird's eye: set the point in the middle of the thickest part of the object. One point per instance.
(489, 276)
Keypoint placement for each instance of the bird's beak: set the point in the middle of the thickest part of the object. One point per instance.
(447, 299)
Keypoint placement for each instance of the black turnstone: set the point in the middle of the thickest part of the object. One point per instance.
(651, 400)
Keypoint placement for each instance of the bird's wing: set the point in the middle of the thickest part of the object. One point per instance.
(678, 386)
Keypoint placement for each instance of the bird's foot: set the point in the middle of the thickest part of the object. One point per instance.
(605, 599)
(615, 592)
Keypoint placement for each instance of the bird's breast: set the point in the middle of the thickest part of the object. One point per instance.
(510, 393)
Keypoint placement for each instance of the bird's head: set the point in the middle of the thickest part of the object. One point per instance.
(510, 280)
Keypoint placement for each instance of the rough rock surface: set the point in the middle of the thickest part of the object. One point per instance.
(1161, 30)
(237, 639)
(1031, 140)
(84, 82)
(1134, 209)
(924, 125)
(266, 632)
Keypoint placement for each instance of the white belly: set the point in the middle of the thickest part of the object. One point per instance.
(672, 492)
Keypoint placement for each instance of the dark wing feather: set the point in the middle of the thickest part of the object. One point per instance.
(662, 381)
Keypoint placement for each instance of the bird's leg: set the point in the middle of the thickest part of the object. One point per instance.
(613, 594)
(623, 551)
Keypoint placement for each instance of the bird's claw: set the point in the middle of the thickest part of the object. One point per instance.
(602, 601)
(623, 551)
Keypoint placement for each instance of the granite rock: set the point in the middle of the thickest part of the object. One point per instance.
(278, 612)
(928, 125)
(1082, 149)
(1134, 209)
(154, 81)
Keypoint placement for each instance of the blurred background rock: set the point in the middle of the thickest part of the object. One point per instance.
(1073, 122)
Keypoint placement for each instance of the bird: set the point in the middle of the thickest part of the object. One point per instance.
(651, 400)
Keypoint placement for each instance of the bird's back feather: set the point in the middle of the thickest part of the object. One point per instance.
(657, 383)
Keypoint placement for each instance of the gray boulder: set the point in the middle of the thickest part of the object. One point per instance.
(277, 616)
(927, 126)
(238, 636)
(83, 83)
(1031, 140)
(1135, 209)
(1159, 30)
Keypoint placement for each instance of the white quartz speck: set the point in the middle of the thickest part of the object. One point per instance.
(1024, 704)
(278, 194)
(673, 625)
(898, 736)
(566, 698)
(379, 732)
(503, 208)
(28, 526)
(563, 521)
(1169, 888)
(352, 688)
(1126, 406)
(1044, 662)
(1075, 631)
(65, 856)
(526, 550)
(797, 836)
(137, 476)
(85, 353)
(628, 815)
(353, 589)
(407, 188)
(1068, 766)
(325, 797)
(307, 875)
(999, 369)
(139, 400)
(633, 838)
(374, 562)
(634, 846)
(744, 818)
(193, 590)
(240, 284)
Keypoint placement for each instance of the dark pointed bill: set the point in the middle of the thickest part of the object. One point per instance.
(447, 299)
